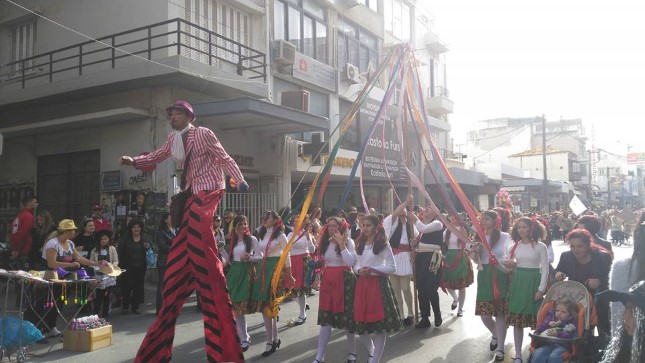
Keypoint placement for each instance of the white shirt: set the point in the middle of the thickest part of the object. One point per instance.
(277, 246)
(240, 248)
(383, 262)
(433, 226)
(533, 255)
(347, 256)
(390, 225)
(302, 245)
(453, 241)
(53, 243)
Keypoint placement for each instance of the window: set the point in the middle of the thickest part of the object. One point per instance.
(23, 45)
(356, 46)
(218, 17)
(397, 19)
(302, 22)
(372, 4)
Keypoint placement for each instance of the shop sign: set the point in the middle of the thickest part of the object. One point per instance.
(636, 158)
(383, 152)
(111, 181)
(312, 71)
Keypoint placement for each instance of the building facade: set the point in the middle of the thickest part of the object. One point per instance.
(272, 79)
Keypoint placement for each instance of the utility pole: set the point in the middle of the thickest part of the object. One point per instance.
(545, 182)
(590, 179)
(608, 189)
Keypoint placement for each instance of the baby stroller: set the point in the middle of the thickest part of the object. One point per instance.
(586, 320)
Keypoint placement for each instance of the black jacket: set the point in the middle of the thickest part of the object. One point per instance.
(163, 241)
(600, 261)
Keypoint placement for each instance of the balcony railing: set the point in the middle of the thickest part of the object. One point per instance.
(438, 91)
(151, 42)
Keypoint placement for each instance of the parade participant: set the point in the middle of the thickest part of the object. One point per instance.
(44, 227)
(87, 240)
(272, 242)
(562, 323)
(492, 311)
(194, 257)
(60, 252)
(458, 269)
(590, 266)
(400, 231)
(104, 251)
(375, 309)
(21, 237)
(530, 262)
(628, 342)
(302, 246)
(163, 239)
(355, 229)
(101, 223)
(227, 223)
(336, 287)
(428, 264)
(592, 224)
(627, 272)
(132, 249)
(243, 250)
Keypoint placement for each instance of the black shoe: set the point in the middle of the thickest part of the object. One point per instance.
(245, 345)
(438, 321)
(423, 323)
(493, 344)
(299, 321)
(276, 345)
(408, 321)
(454, 305)
(268, 350)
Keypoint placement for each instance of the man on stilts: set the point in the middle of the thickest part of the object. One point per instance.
(192, 261)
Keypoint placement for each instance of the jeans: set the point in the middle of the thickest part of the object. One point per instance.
(550, 353)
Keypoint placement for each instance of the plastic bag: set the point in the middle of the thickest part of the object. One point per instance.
(10, 333)
(151, 258)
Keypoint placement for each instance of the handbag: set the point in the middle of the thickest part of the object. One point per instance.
(178, 201)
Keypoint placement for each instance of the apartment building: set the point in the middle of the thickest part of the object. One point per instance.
(85, 82)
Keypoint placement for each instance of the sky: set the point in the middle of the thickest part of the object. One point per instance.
(564, 59)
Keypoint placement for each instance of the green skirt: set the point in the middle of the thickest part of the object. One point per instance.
(522, 307)
(261, 292)
(457, 271)
(486, 304)
(238, 281)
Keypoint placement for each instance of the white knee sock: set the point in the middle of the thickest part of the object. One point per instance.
(323, 339)
(302, 303)
(518, 335)
(453, 294)
(268, 328)
(500, 329)
(351, 342)
(367, 342)
(462, 298)
(489, 323)
(379, 347)
(240, 324)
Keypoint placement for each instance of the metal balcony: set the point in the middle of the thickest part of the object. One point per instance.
(438, 101)
(151, 42)
(433, 44)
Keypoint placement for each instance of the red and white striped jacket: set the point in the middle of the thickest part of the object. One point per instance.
(208, 160)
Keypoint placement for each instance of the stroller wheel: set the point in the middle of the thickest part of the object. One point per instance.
(21, 356)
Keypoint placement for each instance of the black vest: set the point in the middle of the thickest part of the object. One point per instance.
(433, 238)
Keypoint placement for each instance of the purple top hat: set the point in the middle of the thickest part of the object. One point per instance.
(82, 274)
(61, 272)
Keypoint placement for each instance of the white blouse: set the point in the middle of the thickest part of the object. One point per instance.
(390, 225)
(533, 255)
(240, 248)
(347, 256)
(277, 246)
(383, 262)
(302, 245)
(453, 242)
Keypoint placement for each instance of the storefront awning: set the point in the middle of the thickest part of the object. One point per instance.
(257, 116)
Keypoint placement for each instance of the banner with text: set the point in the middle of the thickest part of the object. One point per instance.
(383, 152)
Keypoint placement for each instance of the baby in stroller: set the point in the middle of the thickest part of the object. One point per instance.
(561, 323)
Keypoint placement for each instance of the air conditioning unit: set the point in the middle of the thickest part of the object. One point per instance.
(350, 74)
(284, 52)
(295, 99)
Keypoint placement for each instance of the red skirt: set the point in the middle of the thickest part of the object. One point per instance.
(332, 289)
(298, 272)
(368, 300)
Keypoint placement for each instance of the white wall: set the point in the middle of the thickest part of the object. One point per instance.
(557, 165)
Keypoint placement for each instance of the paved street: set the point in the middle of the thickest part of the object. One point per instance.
(457, 340)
